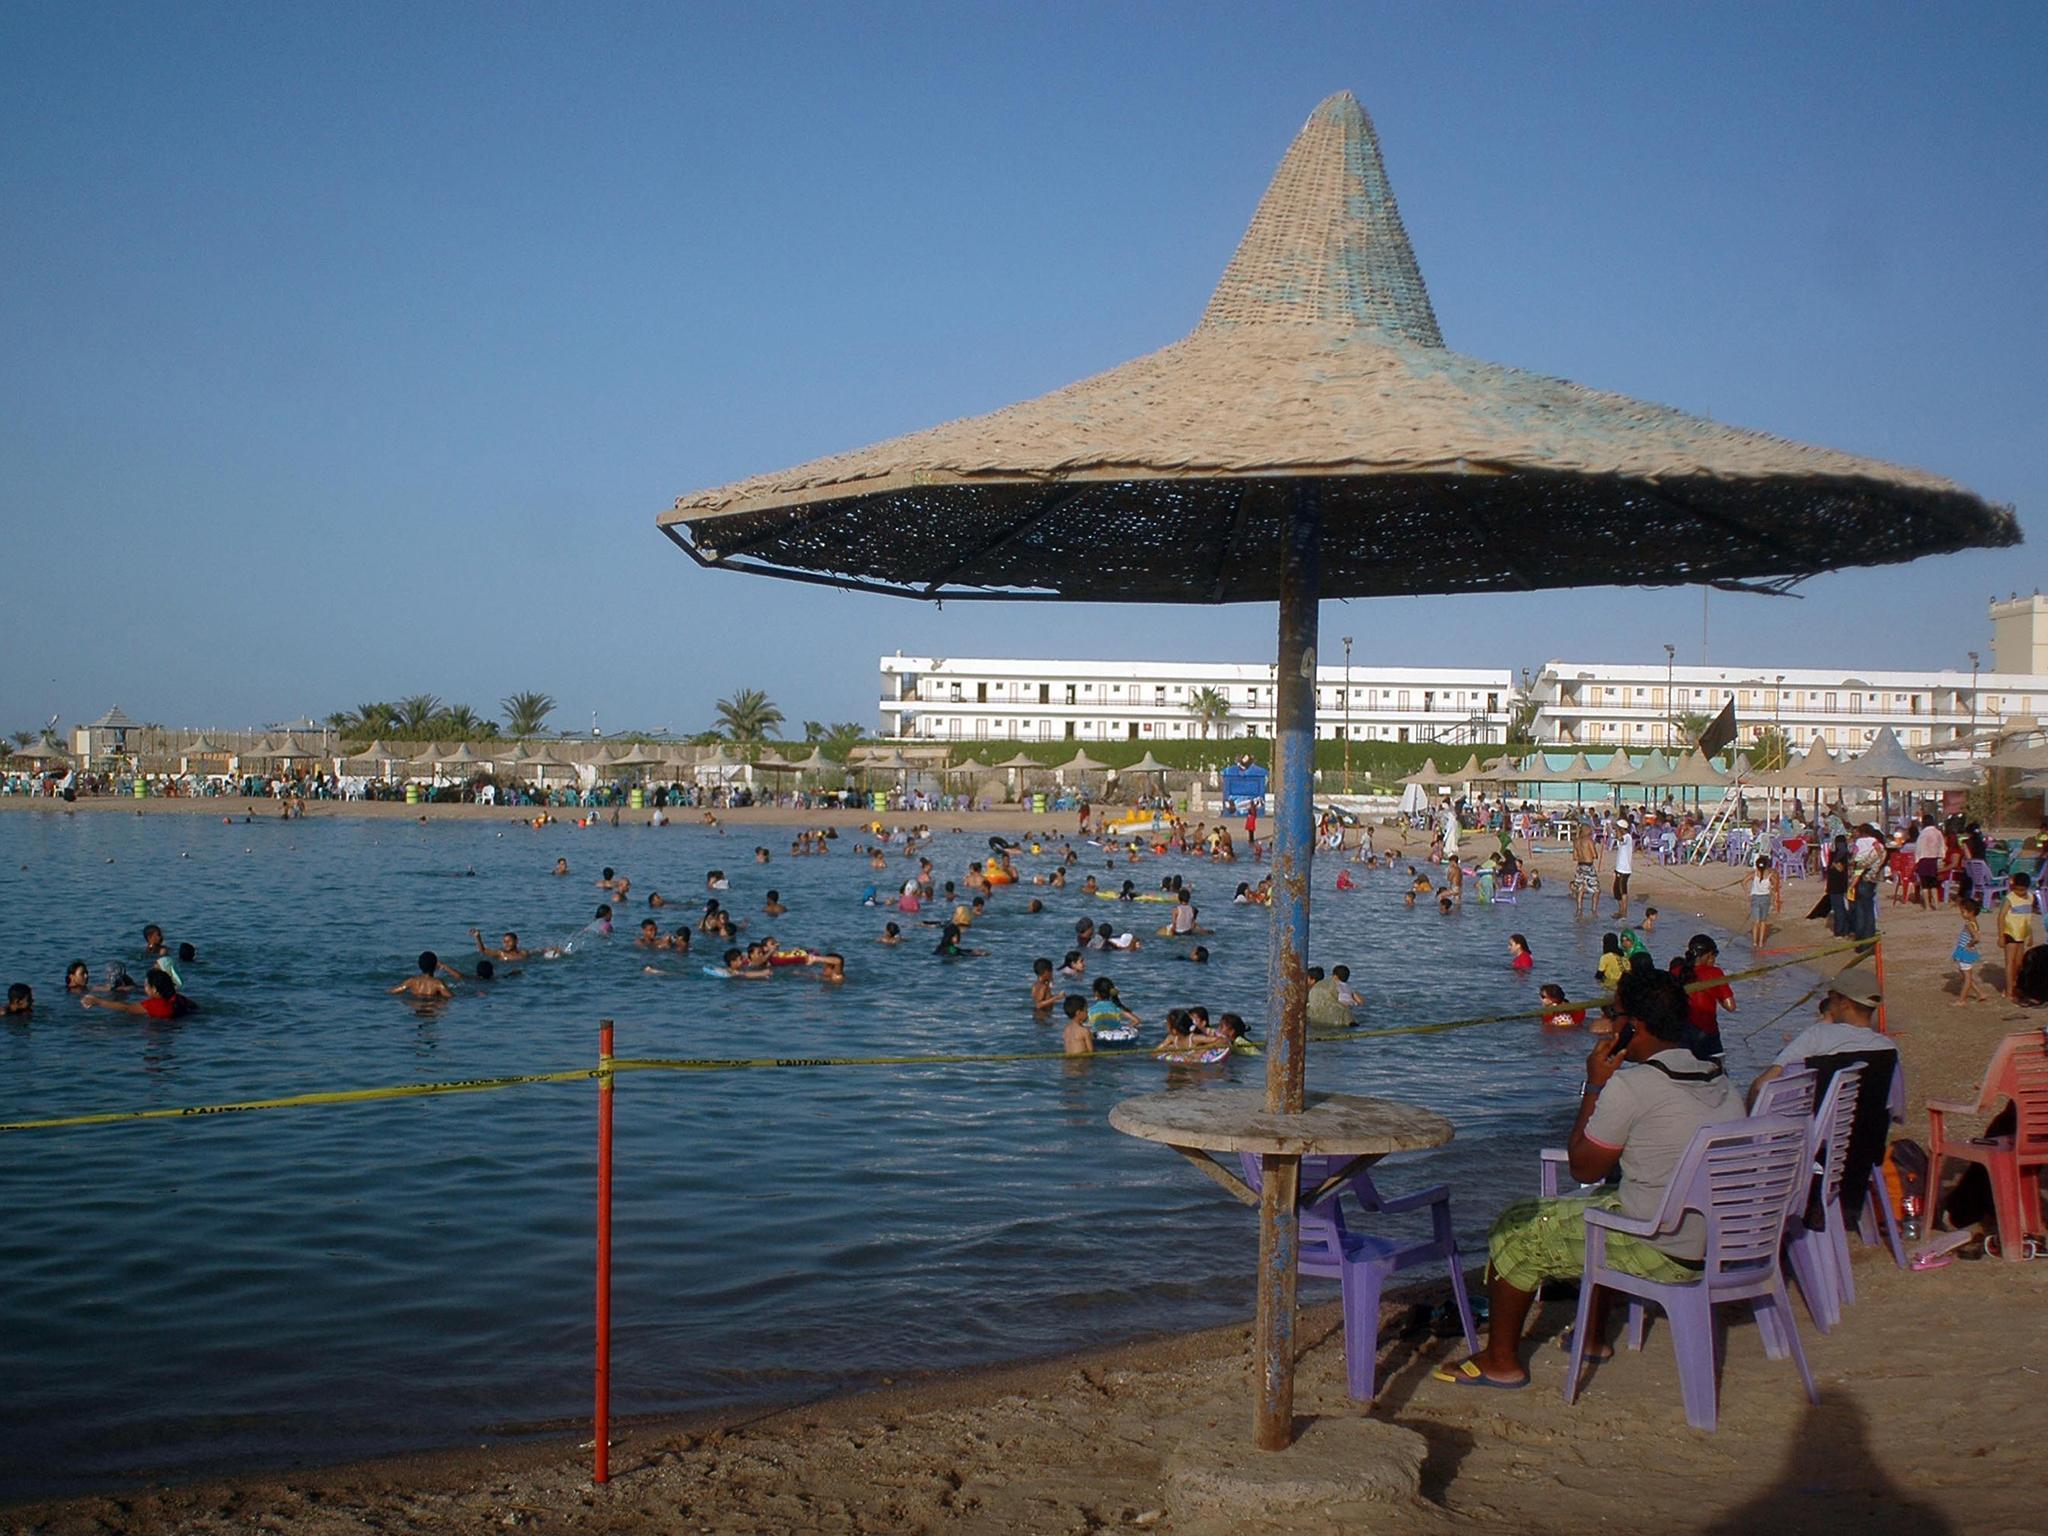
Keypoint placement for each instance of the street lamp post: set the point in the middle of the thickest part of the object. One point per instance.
(1778, 718)
(1347, 714)
(1670, 658)
(1973, 703)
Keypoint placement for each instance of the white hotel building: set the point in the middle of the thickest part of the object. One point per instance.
(926, 698)
(1595, 705)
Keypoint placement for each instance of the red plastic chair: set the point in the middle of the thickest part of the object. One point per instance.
(1905, 872)
(2017, 1074)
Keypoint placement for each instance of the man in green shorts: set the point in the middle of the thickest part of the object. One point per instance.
(1645, 1095)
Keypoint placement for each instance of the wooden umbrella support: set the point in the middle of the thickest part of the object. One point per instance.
(1287, 1007)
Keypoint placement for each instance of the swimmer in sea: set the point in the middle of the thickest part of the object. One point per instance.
(608, 879)
(650, 935)
(1074, 965)
(153, 941)
(508, 948)
(427, 985)
(891, 934)
(1041, 985)
(77, 978)
(601, 920)
(831, 968)
(1035, 905)
(714, 880)
(740, 966)
(679, 941)
(1199, 955)
(1107, 1011)
(21, 998)
(948, 946)
(1519, 957)
(655, 899)
(1088, 886)
(163, 999)
(561, 867)
(1076, 1038)
(1176, 1033)
(1558, 1016)
(773, 905)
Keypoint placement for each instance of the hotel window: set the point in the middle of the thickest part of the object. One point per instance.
(1159, 696)
(1404, 704)
(981, 693)
(1070, 693)
(1831, 703)
(1856, 703)
(1045, 730)
(953, 726)
(981, 730)
(1045, 693)
(955, 693)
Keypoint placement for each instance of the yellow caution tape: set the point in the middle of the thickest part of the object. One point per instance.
(606, 1068)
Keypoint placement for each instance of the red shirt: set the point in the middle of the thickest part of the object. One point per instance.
(158, 1007)
(1705, 1004)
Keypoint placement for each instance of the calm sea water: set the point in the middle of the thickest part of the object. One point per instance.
(323, 1283)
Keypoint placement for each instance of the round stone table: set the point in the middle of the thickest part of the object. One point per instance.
(1355, 1130)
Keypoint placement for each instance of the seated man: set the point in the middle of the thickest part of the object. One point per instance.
(1645, 1095)
(1847, 1027)
(1325, 1009)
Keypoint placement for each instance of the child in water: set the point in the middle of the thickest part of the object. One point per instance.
(1076, 1038)
(1041, 985)
(1107, 1011)
(1559, 1017)
(1074, 964)
(1519, 957)
(1611, 964)
(891, 934)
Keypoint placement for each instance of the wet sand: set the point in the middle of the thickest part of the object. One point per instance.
(1930, 1394)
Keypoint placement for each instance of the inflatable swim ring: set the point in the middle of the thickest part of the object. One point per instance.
(1115, 1036)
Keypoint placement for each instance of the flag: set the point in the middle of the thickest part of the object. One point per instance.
(1719, 736)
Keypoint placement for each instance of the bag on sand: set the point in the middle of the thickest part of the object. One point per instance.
(1905, 1173)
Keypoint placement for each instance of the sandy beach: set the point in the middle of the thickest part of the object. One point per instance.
(1929, 1390)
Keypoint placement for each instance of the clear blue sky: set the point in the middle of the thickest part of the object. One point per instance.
(350, 351)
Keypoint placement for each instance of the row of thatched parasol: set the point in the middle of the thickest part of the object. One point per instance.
(1883, 763)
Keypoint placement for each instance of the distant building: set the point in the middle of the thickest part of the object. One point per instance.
(926, 698)
(1594, 704)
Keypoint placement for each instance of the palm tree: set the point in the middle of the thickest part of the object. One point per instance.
(1689, 725)
(814, 732)
(840, 739)
(464, 723)
(1768, 750)
(1522, 720)
(24, 738)
(1210, 707)
(417, 713)
(749, 715)
(526, 713)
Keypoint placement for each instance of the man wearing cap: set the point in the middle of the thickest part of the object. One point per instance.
(1624, 865)
(1847, 1027)
(1644, 1096)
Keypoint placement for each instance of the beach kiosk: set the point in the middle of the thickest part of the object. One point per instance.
(1314, 438)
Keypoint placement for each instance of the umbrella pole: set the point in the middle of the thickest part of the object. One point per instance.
(1287, 1008)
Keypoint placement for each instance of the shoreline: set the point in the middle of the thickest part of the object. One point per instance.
(1090, 1439)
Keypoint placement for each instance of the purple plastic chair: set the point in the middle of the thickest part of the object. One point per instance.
(1790, 1094)
(1745, 1178)
(1509, 891)
(1360, 1263)
(1820, 1260)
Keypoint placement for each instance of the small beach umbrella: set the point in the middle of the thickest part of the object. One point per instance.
(1426, 776)
(1468, 772)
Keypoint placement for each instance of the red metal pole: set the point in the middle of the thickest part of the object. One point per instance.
(600, 1470)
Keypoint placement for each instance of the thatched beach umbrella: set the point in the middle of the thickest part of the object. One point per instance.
(1426, 776)
(1313, 437)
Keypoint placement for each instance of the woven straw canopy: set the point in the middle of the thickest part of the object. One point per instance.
(1319, 360)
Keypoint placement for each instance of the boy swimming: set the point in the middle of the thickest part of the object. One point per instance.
(426, 985)
(1076, 1038)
